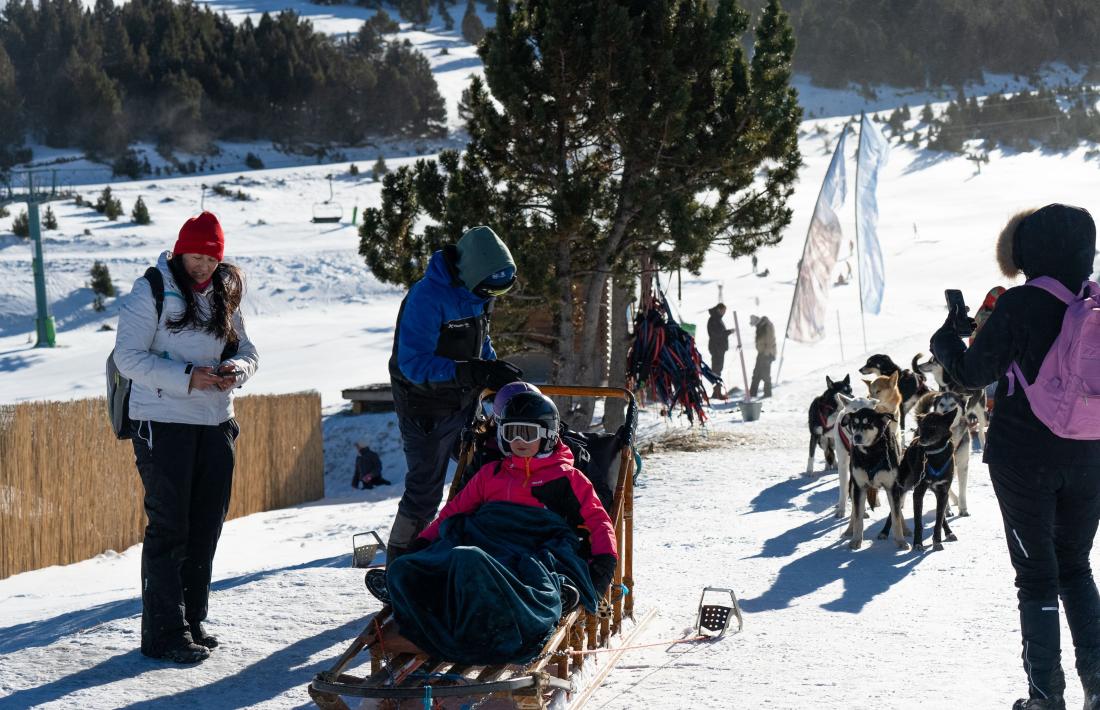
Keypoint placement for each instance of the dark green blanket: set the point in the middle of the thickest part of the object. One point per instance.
(489, 590)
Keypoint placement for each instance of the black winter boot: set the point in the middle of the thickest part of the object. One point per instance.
(1054, 702)
(184, 652)
(402, 534)
(199, 636)
(1090, 682)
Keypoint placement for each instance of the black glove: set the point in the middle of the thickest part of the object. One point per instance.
(493, 374)
(601, 569)
(418, 544)
(956, 317)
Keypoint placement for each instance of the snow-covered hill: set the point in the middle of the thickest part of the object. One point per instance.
(824, 627)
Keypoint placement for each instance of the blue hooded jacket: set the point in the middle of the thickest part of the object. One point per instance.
(440, 321)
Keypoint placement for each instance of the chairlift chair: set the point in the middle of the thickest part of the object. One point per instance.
(328, 211)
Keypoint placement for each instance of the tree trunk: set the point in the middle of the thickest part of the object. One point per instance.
(622, 294)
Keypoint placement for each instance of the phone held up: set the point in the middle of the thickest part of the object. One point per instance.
(964, 325)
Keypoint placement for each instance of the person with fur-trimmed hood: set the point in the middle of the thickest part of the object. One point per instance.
(442, 358)
(1048, 487)
(184, 359)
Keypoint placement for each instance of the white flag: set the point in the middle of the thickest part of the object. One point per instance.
(807, 321)
(873, 152)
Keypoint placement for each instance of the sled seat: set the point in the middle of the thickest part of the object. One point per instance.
(417, 681)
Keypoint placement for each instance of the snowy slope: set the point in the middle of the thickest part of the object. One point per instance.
(824, 626)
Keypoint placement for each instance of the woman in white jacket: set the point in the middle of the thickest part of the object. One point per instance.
(184, 367)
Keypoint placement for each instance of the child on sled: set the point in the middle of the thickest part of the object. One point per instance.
(536, 471)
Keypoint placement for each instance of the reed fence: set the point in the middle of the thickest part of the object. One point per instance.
(69, 489)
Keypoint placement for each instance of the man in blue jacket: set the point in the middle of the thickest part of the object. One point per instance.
(442, 357)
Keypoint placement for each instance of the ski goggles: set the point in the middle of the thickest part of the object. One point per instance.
(498, 283)
(522, 431)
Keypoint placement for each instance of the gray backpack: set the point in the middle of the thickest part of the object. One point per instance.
(118, 386)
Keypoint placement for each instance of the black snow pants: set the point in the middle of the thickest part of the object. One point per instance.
(1050, 516)
(428, 439)
(187, 472)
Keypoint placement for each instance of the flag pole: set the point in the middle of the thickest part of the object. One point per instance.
(859, 262)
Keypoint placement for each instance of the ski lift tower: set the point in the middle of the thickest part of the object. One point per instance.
(35, 188)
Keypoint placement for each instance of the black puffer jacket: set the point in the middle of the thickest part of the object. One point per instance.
(1057, 241)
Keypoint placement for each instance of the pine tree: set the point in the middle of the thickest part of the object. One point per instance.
(379, 169)
(49, 219)
(101, 284)
(473, 30)
(140, 213)
(587, 162)
(21, 225)
(418, 12)
(108, 205)
(926, 114)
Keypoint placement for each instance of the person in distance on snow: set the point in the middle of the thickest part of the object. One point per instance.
(718, 342)
(184, 367)
(1048, 487)
(765, 354)
(442, 357)
(368, 468)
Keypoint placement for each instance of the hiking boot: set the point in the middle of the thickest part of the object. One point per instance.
(379, 481)
(403, 532)
(570, 598)
(184, 652)
(1054, 702)
(376, 585)
(199, 636)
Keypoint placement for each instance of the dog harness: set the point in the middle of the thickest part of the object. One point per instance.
(932, 471)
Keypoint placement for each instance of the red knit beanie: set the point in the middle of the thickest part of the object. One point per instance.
(201, 235)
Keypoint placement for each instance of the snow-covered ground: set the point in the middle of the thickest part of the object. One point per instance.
(824, 626)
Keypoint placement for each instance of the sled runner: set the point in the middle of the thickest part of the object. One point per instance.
(579, 652)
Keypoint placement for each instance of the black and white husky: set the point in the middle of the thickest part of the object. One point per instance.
(928, 463)
(875, 459)
(954, 404)
(842, 445)
(822, 419)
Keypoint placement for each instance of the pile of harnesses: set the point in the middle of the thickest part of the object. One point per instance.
(664, 362)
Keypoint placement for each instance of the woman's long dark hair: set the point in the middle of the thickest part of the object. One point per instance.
(228, 283)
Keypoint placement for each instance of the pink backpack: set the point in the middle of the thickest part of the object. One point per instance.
(1066, 393)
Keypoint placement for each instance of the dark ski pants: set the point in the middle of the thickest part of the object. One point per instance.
(428, 440)
(762, 372)
(1050, 517)
(187, 472)
(717, 361)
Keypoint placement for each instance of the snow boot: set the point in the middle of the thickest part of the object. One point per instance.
(376, 585)
(570, 598)
(1090, 683)
(404, 531)
(199, 636)
(184, 652)
(1054, 702)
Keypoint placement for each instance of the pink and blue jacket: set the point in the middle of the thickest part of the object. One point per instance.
(549, 482)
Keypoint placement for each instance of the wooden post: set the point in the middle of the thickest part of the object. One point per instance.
(741, 353)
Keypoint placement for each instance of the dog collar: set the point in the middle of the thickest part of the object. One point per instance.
(936, 451)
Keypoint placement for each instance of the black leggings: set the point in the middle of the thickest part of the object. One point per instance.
(1050, 516)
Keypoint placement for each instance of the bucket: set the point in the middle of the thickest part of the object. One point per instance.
(750, 411)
